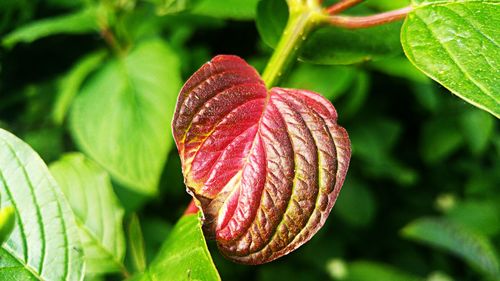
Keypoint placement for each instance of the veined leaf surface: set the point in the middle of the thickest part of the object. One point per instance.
(44, 244)
(264, 166)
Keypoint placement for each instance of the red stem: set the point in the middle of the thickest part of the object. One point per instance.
(341, 6)
(191, 208)
(369, 21)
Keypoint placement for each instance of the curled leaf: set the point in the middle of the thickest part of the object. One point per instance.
(265, 167)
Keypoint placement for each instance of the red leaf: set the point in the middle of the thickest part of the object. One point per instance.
(264, 166)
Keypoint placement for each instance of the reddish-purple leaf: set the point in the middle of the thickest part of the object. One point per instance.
(265, 167)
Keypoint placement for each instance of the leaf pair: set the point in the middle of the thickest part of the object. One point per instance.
(265, 166)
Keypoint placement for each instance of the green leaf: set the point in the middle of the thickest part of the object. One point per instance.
(356, 96)
(356, 204)
(271, 20)
(44, 244)
(482, 216)
(7, 222)
(478, 128)
(332, 45)
(439, 139)
(475, 249)
(71, 84)
(77, 23)
(318, 78)
(121, 117)
(184, 255)
(136, 243)
(371, 271)
(227, 9)
(98, 213)
(453, 42)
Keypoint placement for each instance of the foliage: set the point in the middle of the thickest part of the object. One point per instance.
(90, 87)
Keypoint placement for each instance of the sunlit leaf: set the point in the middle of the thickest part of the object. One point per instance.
(77, 23)
(184, 255)
(44, 244)
(475, 249)
(7, 222)
(264, 166)
(121, 116)
(99, 215)
(456, 44)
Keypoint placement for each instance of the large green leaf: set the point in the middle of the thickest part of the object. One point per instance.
(80, 22)
(475, 249)
(98, 213)
(184, 255)
(121, 118)
(456, 43)
(44, 244)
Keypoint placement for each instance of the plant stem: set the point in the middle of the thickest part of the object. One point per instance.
(369, 21)
(303, 18)
(341, 6)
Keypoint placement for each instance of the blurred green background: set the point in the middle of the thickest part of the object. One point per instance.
(421, 198)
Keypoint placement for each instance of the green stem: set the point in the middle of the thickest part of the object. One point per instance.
(303, 19)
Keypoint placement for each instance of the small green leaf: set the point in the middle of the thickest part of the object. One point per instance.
(71, 84)
(44, 244)
(122, 115)
(77, 23)
(7, 222)
(475, 249)
(356, 204)
(439, 139)
(228, 9)
(318, 78)
(478, 128)
(371, 271)
(98, 213)
(271, 20)
(332, 45)
(184, 255)
(356, 96)
(136, 243)
(453, 42)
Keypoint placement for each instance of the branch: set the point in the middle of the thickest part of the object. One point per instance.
(369, 21)
(341, 6)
